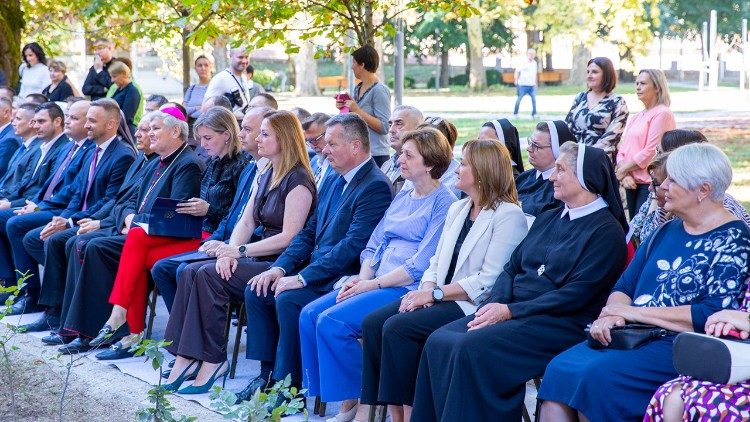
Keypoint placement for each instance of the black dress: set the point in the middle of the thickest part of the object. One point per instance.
(129, 99)
(198, 317)
(218, 185)
(535, 193)
(556, 282)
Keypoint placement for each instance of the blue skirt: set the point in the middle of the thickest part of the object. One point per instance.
(609, 385)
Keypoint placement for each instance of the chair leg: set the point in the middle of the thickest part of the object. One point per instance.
(320, 407)
(538, 408)
(152, 312)
(237, 339)
(383, 413)
(525, 415)
(230, 310)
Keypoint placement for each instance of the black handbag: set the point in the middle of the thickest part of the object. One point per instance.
(629, 336)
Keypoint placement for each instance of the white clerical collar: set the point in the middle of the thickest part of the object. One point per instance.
(545, 174)
(585, 210)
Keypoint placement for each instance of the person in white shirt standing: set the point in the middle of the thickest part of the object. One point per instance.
(233, 83)
(525, 80)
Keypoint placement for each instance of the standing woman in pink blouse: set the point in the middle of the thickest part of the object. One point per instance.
(642, 134)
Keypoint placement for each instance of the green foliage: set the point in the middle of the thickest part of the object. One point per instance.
(6, 338)
(493, 78)
(161, 409)
(259, 407)
(685, 17)
(449, 31)
(267, 78)
(408, 82)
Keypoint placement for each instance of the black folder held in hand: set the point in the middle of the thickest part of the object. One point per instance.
(164, 220)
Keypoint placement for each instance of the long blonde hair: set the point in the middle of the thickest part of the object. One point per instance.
(291, 141)
(220, 119)
(493, 172)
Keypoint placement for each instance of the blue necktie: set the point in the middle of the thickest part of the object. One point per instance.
(338, 189)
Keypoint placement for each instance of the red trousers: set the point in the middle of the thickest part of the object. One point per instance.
(139, 254)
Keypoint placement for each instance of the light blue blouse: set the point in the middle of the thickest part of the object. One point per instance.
(408, 234)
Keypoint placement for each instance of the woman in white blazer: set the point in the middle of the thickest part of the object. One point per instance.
(479, 235)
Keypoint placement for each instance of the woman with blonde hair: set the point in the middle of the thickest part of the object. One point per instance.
(61, 88)
(642, 135)
(218, 132)
(478, 237)
(279, 206)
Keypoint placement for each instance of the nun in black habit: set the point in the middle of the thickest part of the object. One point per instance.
(535, 191)
(504, 131)
(557, 280)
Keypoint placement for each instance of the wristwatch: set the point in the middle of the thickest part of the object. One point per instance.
(437, 294)
(243, 251)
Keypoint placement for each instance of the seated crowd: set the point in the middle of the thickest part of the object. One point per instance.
(432, 285)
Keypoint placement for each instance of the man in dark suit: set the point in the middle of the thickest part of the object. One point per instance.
(98, 81)
(62, 263)
(9, 141)
(352, 202)
(97, 183)
(177, 175)
(166, 271)
(21, 159)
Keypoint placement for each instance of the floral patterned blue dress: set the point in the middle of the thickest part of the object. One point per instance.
(707, 272)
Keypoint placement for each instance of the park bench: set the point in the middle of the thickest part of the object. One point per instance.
(332, 82)
(547, 77)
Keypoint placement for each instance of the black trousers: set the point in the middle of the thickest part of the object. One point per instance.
(199, 312)
(91, 283)
(392, 344)
(55, 267)
(481, 375)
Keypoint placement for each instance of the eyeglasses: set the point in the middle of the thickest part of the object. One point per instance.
(536, 147)
(655, 184)
(315, 140)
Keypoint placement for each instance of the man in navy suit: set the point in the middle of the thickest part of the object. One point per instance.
(352, 202)
(9, 141)
(166, 271)
(98, 181)
(315, 130)
(21, 159)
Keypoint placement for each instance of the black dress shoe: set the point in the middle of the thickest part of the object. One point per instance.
(46, 322)
(107, 335)
(25, 305)
(55, 339)
(116, 351)
(79, 345)
(255, 384)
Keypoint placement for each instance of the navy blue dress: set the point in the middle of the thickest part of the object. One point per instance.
(707, 272)
(535, 193)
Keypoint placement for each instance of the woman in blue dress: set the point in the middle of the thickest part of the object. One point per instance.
(697, 265)
(393, 262)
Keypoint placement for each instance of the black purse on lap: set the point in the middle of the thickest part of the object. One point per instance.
(629, 336)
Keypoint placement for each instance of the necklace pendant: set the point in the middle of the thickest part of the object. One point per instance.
(540, 271)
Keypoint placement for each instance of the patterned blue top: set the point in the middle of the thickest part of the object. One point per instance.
(709, 272)
(408, 234)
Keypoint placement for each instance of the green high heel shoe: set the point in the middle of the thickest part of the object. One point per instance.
(186, 373)
(205, 388)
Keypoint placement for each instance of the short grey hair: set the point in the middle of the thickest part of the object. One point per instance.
(354, 128)
(319, 119)
(695, 164)
(410, 111)
(147, 117)
(171, 122)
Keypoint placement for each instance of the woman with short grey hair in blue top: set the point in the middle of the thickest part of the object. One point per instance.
(371, 102)
(396, 256)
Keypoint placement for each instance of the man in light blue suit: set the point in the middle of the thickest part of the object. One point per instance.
(351, 203)
(315, 130)
(9, 141)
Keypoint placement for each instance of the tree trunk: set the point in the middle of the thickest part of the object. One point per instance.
(306, 70)
(11, 25)
(581, 56)
(444, 68)
(477, 76)
(220, 54)
(186, 61)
